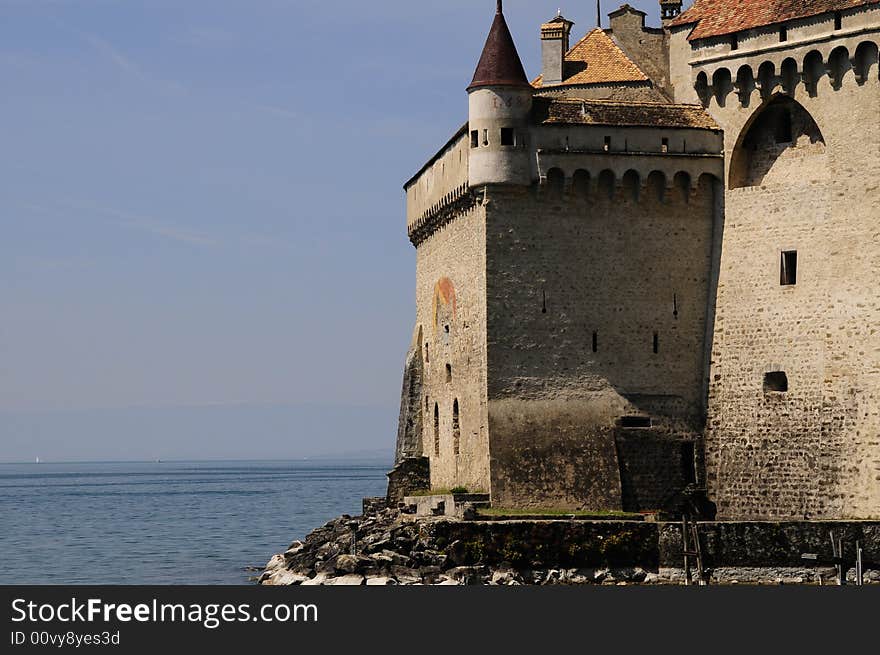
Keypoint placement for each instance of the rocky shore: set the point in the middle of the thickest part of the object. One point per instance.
(391, 547)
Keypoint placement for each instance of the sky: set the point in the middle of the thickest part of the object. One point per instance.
(203, 251)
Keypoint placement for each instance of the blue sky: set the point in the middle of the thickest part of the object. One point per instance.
(203, 229)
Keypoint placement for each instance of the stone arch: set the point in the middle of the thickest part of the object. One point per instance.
(555, 181)
(682, 184)
(745, 84)
(765, 145)
(721, 85)
(580, 183)
(701, 86)
(606, 183)
(631, 185)
(789, 76)
(838, 66)
(814, 70)
(865, 59)
(657, 185)
(767, 79)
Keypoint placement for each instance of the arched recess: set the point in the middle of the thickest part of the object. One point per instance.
(580, 183)
(722, 85)
(767, 79)
(701, 86)
(606, 184)
(745, 84)
(657, 185)
(789, 75)
(838, 66)
(781, 133)
(631, 185)
(555, 181)
(682, 184)
(865, 60)
(814, 70)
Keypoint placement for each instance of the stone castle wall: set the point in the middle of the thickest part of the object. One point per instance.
(565, 264)
(451, 314)
(813, 450)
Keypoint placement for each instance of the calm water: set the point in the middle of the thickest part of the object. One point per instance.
(174, 523)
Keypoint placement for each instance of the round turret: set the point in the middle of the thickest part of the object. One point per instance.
(500, 102)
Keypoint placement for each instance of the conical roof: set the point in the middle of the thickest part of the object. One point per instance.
(500, 64)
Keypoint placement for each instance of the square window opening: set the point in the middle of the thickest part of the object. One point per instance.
(508, 136)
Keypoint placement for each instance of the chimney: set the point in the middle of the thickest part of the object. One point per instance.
(669, 9)
(554, 45)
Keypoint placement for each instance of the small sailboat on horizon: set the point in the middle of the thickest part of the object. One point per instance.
(37, 461)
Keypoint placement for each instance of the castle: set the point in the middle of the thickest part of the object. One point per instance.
(653, 268)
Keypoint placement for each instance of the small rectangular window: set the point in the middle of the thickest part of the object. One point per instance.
(607, 146)
(475, 138)
(788, 272)
(664, 145)
(656, 343)
(635, 422)
(838, 20)
(595, 342)
(507, 136)
(783, 33)
(734, 42)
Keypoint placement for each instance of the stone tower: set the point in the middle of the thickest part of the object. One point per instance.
(499, 100)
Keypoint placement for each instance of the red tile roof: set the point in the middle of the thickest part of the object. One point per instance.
(596, 59)
(566, 111)
(500, 63)
(719, 17)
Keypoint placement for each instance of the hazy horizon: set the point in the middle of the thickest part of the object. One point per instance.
(204, 243)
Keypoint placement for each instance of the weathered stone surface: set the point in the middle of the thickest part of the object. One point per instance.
(441, 551)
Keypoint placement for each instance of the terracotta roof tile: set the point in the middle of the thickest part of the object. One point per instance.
(559, 111)
(596, 59)
(719, 17)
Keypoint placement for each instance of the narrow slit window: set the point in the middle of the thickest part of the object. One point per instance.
(456, 429)
(688, 465)
(436, 429)
(595, 342)
(508, 136)
(607, 146)
(664, 146)
(485, 137)
(475, 139)
(789, 266)
(656, 343)
(783, 33)
(838, 20)
(775, 382)
(449, 372)
(734, 42)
